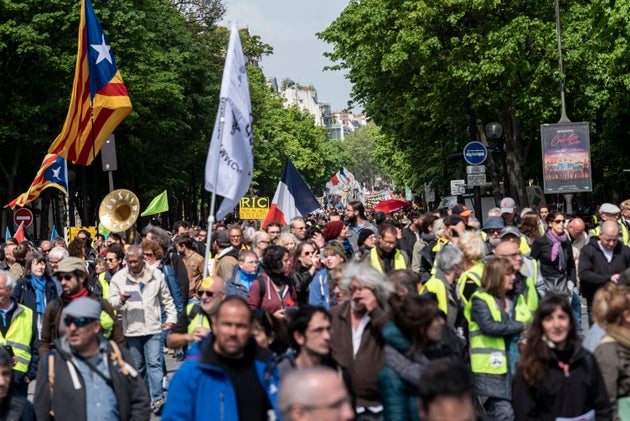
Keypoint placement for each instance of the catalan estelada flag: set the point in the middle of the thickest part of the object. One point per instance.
(99, 99)
(52, 173)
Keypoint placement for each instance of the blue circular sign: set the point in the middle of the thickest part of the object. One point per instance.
(475, 153)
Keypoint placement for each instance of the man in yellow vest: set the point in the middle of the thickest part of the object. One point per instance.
(443, 285)
(610, 212)
(18, 335)
(385, 256)
(524, 286)
(196, 323)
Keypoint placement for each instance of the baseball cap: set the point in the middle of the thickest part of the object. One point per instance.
(83, 307)
(494, 223)
(507, 205)
(461, 210)
(609, 208)
(510, 230)
(70, 264)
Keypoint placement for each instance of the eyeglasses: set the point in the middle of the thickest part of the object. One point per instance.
(209, 294)
(559, 221)
(236, 236)
(78, 321)
(494, 231)
(148, 254)
(45, 252)
(133, 262)
(67, 276)
(109, 260)
(308, 253)
(299, 228)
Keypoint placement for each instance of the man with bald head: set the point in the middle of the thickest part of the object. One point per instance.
(316, 393)
(577, 233)
(601, 261)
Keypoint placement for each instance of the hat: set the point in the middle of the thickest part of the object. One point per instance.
(510, 230)
(507, 205)
(364, 233)
(83, 307)
(70, 264)
(494, 223)
(332, 230)
(609, 208)
(337, 248)
(461, 210)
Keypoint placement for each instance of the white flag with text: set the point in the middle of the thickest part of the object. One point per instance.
(231, 146)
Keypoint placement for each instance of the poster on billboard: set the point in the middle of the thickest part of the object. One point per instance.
(566, 154)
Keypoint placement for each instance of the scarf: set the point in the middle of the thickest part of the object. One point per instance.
(409, 367)
(556, 247)
(83, 293)
(39, 284)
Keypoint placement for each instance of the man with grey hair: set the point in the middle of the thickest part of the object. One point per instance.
(297, 227)
(443, 285)
(356, 341)
(56, 255)
(138, 292)
(260, 242)
(315, 393)
(19, 334)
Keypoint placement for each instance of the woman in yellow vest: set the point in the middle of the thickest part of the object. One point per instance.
(472, 246)
(556, 378)
(495, 321)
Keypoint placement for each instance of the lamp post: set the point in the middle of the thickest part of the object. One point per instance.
(494, 131)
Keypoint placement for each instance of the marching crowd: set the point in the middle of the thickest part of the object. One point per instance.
(424, 316)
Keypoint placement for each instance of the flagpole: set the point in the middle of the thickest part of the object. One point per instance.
(65, 232)
(215, 178)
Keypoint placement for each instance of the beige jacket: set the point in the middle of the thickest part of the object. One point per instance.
(141, 314)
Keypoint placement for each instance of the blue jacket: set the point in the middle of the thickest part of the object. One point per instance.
(319, 294)
(200, 390)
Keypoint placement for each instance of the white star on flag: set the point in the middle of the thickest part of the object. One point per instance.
(103, 51)
(56, 173)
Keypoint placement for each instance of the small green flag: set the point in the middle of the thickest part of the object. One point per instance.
(157, 205)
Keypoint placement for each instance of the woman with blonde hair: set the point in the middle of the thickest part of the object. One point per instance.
(472, 246)
(613, 351)
(495, 320)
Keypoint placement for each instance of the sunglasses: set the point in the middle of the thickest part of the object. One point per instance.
(78, 321)
(210, 294)
(111, 260)
(67, 276)
(148, 254)
(559, 221)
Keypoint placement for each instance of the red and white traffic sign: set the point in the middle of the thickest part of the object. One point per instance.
(23, 215)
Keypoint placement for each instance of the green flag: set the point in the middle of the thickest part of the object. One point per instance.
(157, 205)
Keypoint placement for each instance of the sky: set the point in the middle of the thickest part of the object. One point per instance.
(289, 26)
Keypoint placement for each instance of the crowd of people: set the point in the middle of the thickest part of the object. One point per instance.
(418, 316)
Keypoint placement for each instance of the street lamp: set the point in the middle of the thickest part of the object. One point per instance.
(494, 131)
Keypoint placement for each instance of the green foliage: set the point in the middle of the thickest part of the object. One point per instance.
(426, 71)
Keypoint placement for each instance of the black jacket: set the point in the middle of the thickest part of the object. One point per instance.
(555, 279)
(567, 395)
(69, 403)
(16, 408)
(594, 269)
(407, 241)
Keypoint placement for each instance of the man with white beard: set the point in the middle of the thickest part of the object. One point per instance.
(492, 230)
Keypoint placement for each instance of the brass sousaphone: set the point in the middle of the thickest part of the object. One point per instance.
(119, 211)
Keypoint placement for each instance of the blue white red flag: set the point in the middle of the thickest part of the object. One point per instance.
(231, 146)
(293, 197)
(52, 173)
(99, 100)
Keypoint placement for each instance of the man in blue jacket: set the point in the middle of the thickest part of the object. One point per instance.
(227, 376)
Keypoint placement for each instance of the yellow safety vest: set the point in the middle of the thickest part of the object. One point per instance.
(531, 300)
(437, 287)
(107, 324)
(523, 247)
(199, 320)
(625, 236)
(488, 353)
(474, 273)
(441, 242)
(399, 260)
(19, 337)
(104, 285)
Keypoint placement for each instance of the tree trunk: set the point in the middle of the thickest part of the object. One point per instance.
(514, 157)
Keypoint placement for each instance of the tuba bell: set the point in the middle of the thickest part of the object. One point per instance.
(119, 211)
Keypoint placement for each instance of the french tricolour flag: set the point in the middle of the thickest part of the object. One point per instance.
(293, 197)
